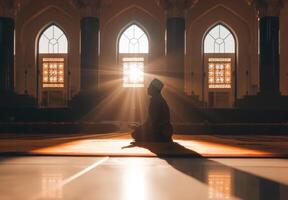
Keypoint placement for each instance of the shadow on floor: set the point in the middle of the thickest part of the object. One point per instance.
(224, 182)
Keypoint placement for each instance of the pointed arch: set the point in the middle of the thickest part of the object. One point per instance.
(53, 40)
(245, 42)
(219, 39)
(133, 8)
(219, 54)
(52, 49)
(133, 48)
(133, 39)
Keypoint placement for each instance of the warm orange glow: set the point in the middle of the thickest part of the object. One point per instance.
(219, 73)
(113, 146)
(133, 72)
(53, 72)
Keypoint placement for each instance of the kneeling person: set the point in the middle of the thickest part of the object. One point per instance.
(157, 127)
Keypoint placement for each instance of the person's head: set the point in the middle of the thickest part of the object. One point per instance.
(155, 87)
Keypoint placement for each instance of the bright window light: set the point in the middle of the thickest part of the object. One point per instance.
(53, 40)
(219, 40)
(133, 45)
(219, 73)
(53, 72)
(133, 72)
(133, 40)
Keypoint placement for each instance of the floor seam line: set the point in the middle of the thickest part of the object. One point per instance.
(84, 171)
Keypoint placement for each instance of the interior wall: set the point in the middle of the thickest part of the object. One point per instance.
(240, 21)
(112, 24)
(30, 22)
(35, 15)
(1, 9)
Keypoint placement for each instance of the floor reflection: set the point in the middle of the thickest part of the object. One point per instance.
(223, 181)
(134, 180)
(226, 182)
(219, 183)
(51, 186)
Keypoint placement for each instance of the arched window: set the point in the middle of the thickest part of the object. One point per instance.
(52, 61)
(53, 40)
(219, 40)
(219, 57)
(133, 49)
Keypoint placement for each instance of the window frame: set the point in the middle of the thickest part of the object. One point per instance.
(145, 56)
(208, 33)
(43, 35)
(41, 91)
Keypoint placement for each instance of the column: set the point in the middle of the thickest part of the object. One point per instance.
(6, 54)
(268, 14)
(269, 55)
(89, 52)
(175, 39)
(175, 49)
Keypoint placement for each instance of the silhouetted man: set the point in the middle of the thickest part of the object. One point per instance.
(157, 127)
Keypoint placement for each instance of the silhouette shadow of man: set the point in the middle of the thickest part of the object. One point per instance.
(157, 127)
(198, 167)
(155, 135)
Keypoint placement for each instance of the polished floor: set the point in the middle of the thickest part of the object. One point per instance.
(45, 177)
(119, 145)
(108, 166)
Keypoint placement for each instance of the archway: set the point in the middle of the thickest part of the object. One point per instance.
(219, 67)
(133, 49)
(52, 67)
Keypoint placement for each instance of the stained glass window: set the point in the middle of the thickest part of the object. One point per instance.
(133, 45)
(133, 40)
(53, 40)
(219, 73)
(53, 72)
(219, 40)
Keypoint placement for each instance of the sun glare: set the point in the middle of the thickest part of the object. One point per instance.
(134, 182)
(133, 72)
(133, 50)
